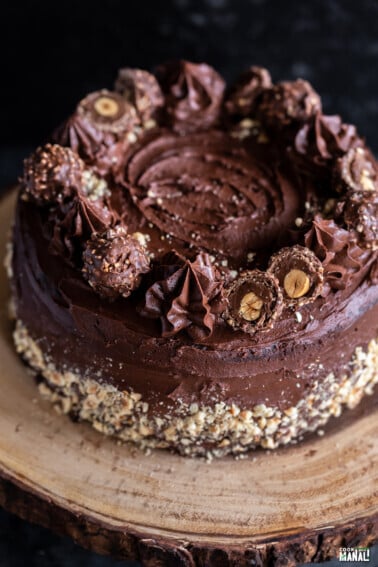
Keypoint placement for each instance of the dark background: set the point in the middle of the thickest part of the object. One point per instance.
(53, 53)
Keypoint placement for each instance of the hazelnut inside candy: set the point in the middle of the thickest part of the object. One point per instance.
(242, 96)
(299, 272)
(106, 106)
(107, 111)
(296, 283)
(254, 300)
(250, 306)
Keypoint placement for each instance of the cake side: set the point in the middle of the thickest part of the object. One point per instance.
(122, 394)
(197, 430)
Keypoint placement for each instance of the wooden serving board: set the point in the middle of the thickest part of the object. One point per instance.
(283, 507)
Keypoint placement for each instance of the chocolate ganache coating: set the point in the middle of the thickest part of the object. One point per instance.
(195, 265)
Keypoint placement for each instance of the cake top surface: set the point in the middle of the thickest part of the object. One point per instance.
(204, 213)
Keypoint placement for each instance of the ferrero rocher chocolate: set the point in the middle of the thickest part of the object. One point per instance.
(52, 173)
(114, 263)
(299, 272)
(254, 301)
(288, 103)
(356, 172)
(242, 98)
(142, 90)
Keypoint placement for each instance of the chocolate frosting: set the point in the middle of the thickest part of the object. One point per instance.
(207, 191)
(193, 95)
(72, 223)
(321, 140)
(344, 261)
(184, 299)
(230, 365)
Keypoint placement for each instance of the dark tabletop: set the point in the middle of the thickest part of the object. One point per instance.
(52, 53)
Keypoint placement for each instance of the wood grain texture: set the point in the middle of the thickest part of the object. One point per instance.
(284, 507)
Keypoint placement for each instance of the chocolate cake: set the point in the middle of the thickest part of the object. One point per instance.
(194, 267)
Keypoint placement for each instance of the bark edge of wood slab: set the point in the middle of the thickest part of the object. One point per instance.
(285, 507)
(151, 552)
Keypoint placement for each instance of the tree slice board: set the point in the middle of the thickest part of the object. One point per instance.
(283, 507)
